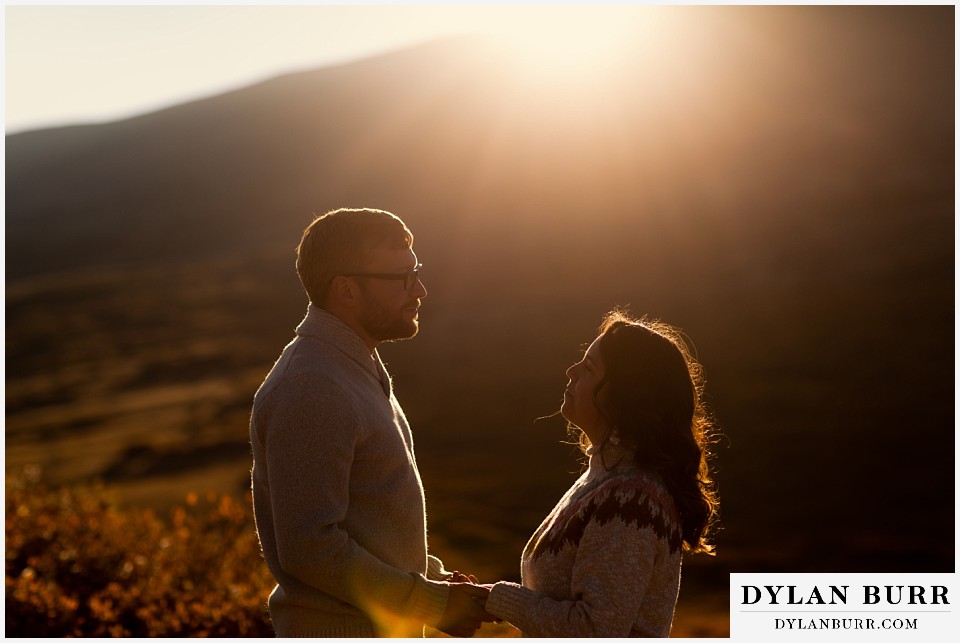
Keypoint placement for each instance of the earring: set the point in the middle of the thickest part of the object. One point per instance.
(614, 439)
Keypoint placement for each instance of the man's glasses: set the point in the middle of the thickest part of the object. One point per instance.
(409, 278)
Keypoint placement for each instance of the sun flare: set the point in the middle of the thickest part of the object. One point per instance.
(571, 45)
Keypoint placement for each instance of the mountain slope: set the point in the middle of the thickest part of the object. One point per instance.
(450, 130)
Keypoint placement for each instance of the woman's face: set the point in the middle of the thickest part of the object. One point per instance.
(579, 404)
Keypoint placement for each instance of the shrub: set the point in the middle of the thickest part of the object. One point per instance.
(77, 565)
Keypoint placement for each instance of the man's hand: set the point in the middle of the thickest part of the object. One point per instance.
(464, 612)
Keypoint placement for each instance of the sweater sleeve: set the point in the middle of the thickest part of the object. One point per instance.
(436, 570)
(310, 448)
(611, 573)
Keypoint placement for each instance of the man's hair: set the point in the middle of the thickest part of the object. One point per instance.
(336, 243)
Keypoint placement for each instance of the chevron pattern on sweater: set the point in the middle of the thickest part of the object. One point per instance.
(634, 501)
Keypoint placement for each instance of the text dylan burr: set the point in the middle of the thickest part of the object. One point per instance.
(837, 595)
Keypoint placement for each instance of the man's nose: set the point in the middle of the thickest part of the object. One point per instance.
(419, 291)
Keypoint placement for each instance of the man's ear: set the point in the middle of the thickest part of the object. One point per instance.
(344, 291)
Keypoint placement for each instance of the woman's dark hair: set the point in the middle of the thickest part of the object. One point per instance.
(651, 395)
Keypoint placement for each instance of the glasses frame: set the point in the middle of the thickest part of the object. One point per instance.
(409, 278)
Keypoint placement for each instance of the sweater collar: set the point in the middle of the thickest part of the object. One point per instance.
(332, 330)
(610, 458)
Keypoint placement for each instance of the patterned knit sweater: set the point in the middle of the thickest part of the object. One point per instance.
(604, 563)
(338, 500)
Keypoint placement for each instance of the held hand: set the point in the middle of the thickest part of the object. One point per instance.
(464, 612)
(464, 578)
(479, 593)
(483, 601)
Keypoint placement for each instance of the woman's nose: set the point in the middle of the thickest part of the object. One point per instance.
(569, 372)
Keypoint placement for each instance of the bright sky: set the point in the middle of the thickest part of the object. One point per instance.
(78, 64)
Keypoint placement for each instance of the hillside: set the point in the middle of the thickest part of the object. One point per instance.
(784, 194)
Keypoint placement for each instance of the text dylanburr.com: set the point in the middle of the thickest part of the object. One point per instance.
(844, 607)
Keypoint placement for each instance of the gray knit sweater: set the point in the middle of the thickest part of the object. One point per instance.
(337, 496)
(604, 563)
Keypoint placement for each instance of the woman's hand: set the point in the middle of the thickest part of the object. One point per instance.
(465, 613)
(464, 578)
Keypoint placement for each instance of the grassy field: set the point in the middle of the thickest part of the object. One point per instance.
(155, 402)
(161, 417)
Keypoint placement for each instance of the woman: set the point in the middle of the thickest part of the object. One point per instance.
(606, 561)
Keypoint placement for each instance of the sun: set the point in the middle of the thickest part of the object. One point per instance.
(576, 45)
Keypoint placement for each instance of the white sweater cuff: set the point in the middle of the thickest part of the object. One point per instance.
(428, 601)
(510, 601)
(435, 569)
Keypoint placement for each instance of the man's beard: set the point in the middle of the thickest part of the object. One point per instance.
(384, 325)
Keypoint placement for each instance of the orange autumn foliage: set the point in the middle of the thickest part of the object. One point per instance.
(79, 565)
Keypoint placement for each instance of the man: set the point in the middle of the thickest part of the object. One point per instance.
(338, 499)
